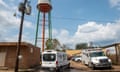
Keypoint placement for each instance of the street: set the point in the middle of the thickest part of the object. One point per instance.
(66, 70)
(74, 67)
(78, 67)
(78, 70)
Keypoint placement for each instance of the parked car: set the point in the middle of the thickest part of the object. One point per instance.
(77, 58)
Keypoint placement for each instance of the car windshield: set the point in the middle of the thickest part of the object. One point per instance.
(49, 57)
(96, 54)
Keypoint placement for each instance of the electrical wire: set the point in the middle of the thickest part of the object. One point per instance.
(81, 19)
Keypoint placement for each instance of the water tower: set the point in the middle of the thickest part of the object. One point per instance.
(44, 6)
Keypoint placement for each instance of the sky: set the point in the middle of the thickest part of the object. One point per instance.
(73, 22)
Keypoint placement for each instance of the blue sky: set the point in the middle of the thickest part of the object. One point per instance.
(73, 21)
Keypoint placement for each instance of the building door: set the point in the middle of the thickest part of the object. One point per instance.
(2, 57)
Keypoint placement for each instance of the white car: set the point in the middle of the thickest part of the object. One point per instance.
(77, 58)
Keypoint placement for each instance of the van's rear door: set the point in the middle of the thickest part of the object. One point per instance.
(49, 60)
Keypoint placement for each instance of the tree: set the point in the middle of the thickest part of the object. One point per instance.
(55, 43)
(81, 46)
(52, 44)
(49, 44)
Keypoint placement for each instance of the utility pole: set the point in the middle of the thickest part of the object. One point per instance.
(23, 9)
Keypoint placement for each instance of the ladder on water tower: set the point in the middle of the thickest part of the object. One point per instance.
(38, 29)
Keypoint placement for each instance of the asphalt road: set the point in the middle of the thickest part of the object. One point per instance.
(65, 70)
(75, 70)
(81, 70)
(78, 67)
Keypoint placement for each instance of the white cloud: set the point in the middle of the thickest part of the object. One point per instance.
(12, 0)
(14, 38)
(9, 24)
(115, 3)
(3, 3)
(96, 32)
(91, 31)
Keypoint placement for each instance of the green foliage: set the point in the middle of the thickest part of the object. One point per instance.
(81, 46)
(52, 43)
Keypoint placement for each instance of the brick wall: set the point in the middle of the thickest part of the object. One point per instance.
(30, 55)
(10, 57)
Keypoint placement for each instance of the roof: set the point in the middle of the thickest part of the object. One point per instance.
(15, 44)
(111, 45)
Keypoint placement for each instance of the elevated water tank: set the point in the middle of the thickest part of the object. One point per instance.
(44, 5)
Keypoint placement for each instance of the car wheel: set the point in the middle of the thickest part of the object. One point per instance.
(83, 62)
(68, 66)
(89, 65)
(110, 67)
(59, 69)
(92, 67)
(79, 60)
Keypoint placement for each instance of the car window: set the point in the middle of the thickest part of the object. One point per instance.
(49, 57)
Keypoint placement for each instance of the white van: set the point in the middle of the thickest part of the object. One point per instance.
(54, 60)
(95, 58)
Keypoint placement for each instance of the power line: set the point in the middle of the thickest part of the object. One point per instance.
(81, 19)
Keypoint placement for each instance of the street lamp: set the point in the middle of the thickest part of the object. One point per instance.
(24, 9)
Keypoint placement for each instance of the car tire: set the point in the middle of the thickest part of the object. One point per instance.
(110, 67)
(68, 66)
(83, 62)
(79, 60)
(90, 65)
(60, 69)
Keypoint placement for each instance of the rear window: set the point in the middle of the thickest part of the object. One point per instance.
(49, 57)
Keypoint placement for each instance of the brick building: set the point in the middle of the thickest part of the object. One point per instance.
(30, 55)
